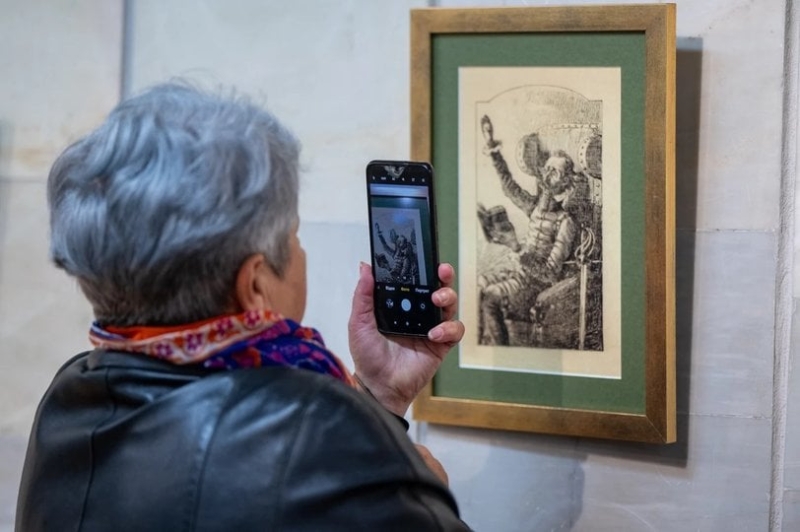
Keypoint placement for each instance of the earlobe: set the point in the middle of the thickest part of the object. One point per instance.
(252, 284)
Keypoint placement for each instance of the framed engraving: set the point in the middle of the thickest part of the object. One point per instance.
(551, 131)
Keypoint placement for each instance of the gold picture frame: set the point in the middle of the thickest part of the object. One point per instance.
(449, 47)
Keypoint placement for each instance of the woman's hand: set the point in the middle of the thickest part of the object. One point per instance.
(397, 368)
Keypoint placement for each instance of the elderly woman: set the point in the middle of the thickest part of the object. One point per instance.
(206, 405)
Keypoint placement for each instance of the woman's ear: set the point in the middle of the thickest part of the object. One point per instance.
(252, 284)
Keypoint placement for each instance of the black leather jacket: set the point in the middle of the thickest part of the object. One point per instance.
(125, 442)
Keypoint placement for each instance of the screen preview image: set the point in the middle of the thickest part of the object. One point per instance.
(401, 234)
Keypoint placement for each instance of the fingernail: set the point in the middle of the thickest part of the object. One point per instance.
(435, 334)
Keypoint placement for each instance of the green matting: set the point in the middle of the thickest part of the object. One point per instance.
(622, 49)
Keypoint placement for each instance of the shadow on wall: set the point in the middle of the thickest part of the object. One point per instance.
(689, 85)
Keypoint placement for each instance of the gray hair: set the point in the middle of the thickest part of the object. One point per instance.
(155, 211)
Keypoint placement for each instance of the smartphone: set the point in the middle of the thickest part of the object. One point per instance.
(405, 258)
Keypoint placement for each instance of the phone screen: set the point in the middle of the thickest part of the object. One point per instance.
(403, 243)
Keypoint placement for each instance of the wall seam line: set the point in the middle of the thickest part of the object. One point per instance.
(784, 266)
(125, 56)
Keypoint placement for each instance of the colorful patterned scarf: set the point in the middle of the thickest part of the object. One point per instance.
(251, 339)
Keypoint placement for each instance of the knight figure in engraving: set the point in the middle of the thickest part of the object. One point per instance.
(510, 293)
(401, 262)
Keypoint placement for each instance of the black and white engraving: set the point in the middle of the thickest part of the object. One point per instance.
(540, 281)
(398, 260)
